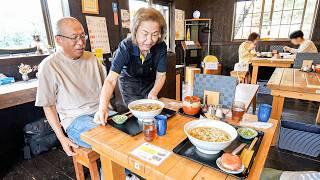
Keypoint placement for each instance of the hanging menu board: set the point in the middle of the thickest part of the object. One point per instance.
(179, 22)
(98, 33)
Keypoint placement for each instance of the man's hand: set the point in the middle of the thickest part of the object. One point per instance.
(68, 146)
(152, 96)
(101, 117)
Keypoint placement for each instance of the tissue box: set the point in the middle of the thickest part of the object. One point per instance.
(6, 80)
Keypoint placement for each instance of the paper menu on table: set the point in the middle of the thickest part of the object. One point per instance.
(213, 97)
(151, 153)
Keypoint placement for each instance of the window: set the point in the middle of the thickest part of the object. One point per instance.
(135, 5)
(274, 19)
(21, 20)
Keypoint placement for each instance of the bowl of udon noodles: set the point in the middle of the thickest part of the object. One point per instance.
(210, 136)
(146, 109)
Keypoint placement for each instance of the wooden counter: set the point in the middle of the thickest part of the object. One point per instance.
(18, 93)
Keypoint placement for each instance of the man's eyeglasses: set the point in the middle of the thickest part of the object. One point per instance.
(76, 38)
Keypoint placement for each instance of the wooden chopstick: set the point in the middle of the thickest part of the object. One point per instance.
(127, 113)
(252, 143)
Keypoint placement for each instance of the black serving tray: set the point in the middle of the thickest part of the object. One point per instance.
(168, 112)
(133, 126)
(189, 151)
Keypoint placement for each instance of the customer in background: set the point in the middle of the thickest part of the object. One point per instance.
(247, 49)
(305, 45)
(70, 82)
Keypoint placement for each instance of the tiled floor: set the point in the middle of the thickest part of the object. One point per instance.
(56, 165)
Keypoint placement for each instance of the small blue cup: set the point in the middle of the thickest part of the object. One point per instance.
(264, 112)
(161, 123)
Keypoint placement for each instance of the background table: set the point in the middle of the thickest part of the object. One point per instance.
(292, 83)
(268, 62)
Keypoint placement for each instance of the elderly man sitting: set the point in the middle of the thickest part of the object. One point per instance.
(70, 83)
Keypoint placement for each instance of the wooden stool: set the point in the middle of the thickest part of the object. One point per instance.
(88, 158)
(241, 75)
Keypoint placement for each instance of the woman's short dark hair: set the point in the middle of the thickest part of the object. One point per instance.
(253, 36)
(296, 34)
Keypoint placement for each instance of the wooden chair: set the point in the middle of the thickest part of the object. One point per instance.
(242, 76)
(88, 158)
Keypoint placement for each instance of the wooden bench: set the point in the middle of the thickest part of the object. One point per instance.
(242, 76)
(88, 158)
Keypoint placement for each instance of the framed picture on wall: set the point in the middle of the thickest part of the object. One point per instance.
(90, 6)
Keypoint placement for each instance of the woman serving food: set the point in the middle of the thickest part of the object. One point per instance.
(139, 62)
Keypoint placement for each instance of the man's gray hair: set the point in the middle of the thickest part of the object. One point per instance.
(61, 22)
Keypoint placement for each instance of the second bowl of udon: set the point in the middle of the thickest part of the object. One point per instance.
(210, 136)
(146, 109)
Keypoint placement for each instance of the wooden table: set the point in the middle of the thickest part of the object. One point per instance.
(114, 148)
(292, 83)
(18, 93)
(247, 93)
(268, 62)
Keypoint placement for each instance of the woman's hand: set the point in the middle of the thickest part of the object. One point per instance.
(101, 117)
(151, 95)
(68, 146)
(252, 46)
(286, 49)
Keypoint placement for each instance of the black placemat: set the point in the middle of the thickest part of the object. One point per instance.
(180, 111)
(133, 126)
(168, 112)
(189, 151)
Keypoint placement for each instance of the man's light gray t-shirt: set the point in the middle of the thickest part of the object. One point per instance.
(73, 86)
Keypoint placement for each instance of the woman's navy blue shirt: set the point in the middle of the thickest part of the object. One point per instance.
(128, 52)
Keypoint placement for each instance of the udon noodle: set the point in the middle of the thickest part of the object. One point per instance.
(209, 134)
(146, 107)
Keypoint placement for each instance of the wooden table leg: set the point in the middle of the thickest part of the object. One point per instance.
(277, 107)
(254, 74)
(178, 89)
(111, 170)
(318, 117)
(276, 135)
(254, 104)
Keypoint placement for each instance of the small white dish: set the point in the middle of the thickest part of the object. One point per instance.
(229, 171)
